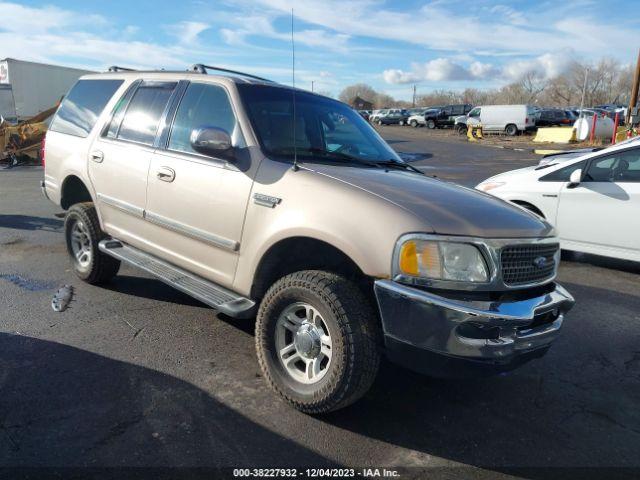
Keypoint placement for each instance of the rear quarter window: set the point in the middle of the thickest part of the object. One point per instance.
(81, 108)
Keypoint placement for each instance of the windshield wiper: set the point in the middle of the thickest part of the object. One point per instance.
(343, 156)
(395, 163)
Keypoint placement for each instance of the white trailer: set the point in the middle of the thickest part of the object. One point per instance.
(28, 88)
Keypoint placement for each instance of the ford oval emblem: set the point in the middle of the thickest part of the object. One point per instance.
(540, 262)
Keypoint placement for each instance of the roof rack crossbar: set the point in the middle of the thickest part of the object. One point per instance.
(200, 68)
(116, 68)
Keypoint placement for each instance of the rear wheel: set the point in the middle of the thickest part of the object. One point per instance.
(401, 123)
(461, 129)
(82, 234)
(413, 123)
(431, 124)
(511, 130)
(317, 341)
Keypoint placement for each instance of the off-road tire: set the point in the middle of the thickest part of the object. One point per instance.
(431, 124)
(102, 267)
(355, 334)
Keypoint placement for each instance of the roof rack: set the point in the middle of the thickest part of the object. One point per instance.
(200, 68)
(116, 68)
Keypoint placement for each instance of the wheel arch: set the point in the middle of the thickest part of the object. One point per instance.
(292, 254)
(529, 206)
(74, 190)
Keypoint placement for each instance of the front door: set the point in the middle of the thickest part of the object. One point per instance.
(604, 209)
(195, 203)
(119, 158)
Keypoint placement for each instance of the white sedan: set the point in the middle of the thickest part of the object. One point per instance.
(593, 200)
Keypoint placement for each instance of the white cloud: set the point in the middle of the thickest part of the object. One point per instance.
(548, 65)
(262, 26)
(47, 33)
(545, 66)
(440, 70)
(441, 26)
(509, 14)
(187, 32)
(20, 18)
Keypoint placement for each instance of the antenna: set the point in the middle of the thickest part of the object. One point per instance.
(293, 81)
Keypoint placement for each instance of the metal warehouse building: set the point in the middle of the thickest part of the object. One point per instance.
(28, 88)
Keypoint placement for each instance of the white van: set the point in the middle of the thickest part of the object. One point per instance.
(509, 119)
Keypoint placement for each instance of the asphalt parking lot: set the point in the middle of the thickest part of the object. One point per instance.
(139, 375)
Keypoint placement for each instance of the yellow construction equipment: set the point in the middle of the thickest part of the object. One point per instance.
(23, 139)
(556, 135)
(474, 132)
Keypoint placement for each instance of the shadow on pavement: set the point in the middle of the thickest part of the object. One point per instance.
(577, 406)
(61, 406)
(27, 222)
(152, 289)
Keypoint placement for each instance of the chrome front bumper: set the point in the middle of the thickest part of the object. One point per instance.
(492, 335)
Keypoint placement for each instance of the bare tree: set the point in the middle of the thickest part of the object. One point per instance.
(362, 90)
(608, 82)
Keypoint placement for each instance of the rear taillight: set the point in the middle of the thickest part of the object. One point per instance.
(42, 149)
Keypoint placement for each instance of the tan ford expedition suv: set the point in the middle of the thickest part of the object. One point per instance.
(261, 200)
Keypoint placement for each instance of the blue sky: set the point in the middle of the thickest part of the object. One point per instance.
(391, 45)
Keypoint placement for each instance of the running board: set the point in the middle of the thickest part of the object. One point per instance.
(215, 296)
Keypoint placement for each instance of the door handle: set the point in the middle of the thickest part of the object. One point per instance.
(97, 156)
(166, 174)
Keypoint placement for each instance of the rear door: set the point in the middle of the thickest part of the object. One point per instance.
(445, 116)
(604, 209)
(120, 157)
(196, 203)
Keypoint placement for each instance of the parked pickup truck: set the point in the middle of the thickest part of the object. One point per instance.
(292, 209)
(445, 116)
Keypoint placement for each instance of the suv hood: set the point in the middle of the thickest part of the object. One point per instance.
(447, 208)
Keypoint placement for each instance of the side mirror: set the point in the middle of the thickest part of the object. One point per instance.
(212, 141)
(575, 178)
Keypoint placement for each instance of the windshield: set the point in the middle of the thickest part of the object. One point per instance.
(324, 128)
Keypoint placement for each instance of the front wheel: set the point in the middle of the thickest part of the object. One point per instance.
(413, 123)
(317, 341)
(82, 234)
(431, 124)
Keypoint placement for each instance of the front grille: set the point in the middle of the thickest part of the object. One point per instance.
(522, 264)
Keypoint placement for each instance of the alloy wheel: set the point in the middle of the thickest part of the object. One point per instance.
(303, 343)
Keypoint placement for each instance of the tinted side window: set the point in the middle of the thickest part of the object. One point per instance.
(141, 120)
(80, 110)
(628, 170)
(475, 112)
(563, 174)
(202, 106)
(618, 167)
(118, 113)
(600, 170)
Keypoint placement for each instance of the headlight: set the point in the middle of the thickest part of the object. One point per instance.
(440, 260)
(485, 187)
